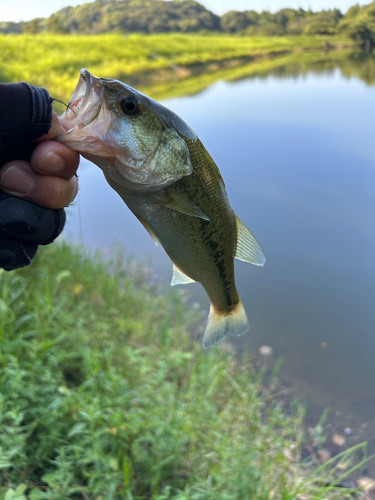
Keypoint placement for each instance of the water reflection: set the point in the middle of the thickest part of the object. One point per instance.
(195, 79)
(355, 64)
(296, 149)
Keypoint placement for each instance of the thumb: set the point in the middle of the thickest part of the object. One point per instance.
(58, 127)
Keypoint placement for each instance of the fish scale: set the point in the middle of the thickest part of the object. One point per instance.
(203, 250)
(166, 177)
(217, 236)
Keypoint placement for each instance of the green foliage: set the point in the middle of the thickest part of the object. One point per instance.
(283, 22)
(129, 16)
(103, 391)
(33, 27)
(359, 24)
(106, 395)
(324, 22)
(11, 27)
(54, 25)
(234, 21)
(54, 61)
(160, 16)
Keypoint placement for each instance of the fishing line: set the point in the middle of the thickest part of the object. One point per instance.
(81, 238)
(67, 106)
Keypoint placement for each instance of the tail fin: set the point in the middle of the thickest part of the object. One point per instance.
(221, 325)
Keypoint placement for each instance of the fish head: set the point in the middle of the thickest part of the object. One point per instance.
(138, 143)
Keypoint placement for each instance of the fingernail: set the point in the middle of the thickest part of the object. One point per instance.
(17, 180)
(52, 162)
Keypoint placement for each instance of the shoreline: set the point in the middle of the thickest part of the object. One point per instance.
(54, 61)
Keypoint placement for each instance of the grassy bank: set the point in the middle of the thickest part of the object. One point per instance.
(104, 395)
(54, 61)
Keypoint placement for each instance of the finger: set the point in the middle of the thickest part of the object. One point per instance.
(19, 179)
(58, 127)
(53, 158)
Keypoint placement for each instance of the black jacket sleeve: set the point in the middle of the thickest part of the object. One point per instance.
(25, 115)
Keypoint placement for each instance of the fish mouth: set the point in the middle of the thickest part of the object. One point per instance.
(85, 103)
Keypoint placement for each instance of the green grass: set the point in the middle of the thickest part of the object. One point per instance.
(105, 394)
(54, 61)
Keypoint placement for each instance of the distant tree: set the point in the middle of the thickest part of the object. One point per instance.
(189, 25)
(11, 27)
(32, 27)
(253, 16)
(271, 29)
(292, 14)
(55, 24)
(352, 11)
(324, 22)
(159, 24)
(281, 18)
(234, 21)
(296, 27)
(147, 16)
(208, 20)
(361, 32)
(359, 25)
(156, 16)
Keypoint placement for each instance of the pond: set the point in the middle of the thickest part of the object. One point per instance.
(297, 152)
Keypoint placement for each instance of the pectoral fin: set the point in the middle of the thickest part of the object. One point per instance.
(248, 249)
(179, 278)
(149, 230)
(181, 203)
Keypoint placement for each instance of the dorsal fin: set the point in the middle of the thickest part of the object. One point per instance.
(148, 229)
(248, 249)
(180, 278)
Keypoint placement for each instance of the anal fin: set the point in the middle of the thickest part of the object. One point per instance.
(180, 278)
(248, 249)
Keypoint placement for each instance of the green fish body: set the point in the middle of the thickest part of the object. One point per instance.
(169, 181)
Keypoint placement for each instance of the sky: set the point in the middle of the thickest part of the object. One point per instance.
(24, 10)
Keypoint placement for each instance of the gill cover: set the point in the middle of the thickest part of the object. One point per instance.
(166, 164)
(171, 160)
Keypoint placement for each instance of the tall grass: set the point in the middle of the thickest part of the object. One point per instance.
(54, 61)
(104, 394)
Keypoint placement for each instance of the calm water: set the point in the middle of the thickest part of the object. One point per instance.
(298, 158)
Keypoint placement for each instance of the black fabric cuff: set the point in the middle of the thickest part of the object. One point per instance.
(25, 115)
(41, 105)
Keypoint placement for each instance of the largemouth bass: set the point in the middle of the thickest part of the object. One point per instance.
(162, 171)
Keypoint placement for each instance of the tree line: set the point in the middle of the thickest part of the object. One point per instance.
(158, 16)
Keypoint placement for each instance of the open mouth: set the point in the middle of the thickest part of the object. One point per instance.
(85, 103)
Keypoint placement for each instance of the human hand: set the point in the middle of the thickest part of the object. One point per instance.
(48, 179)
(37, 177)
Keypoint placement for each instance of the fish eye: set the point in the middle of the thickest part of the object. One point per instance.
(129, 106)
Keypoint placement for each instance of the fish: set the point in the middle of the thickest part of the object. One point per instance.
(166, 177)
